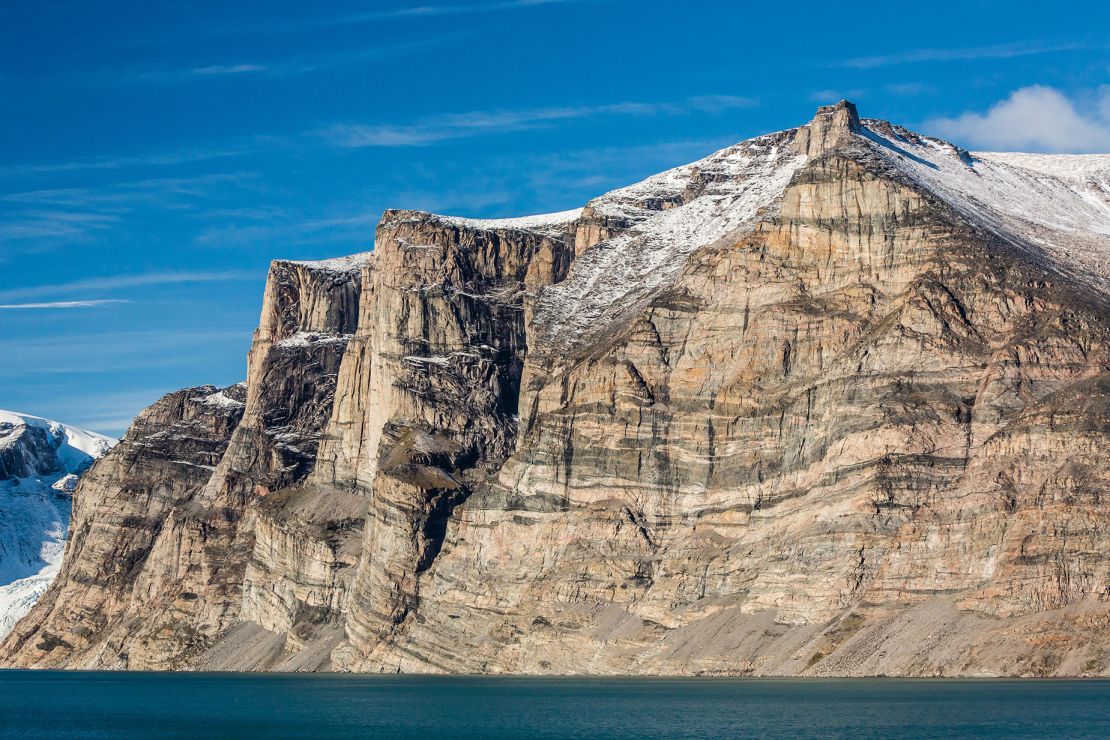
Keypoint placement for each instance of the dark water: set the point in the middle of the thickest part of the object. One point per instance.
(116, 705)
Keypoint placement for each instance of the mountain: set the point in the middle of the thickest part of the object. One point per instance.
(832, 401)
(40, 463)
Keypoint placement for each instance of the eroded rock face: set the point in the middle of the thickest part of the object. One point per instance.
(444, 331)
(93, 613)
(833, 401)
(165, 532)
(806, 432)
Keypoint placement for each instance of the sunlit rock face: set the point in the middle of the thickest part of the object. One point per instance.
(832, 401)
(163, 528)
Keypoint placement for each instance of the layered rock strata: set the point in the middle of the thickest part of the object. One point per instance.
(833, 401)
(164, 528)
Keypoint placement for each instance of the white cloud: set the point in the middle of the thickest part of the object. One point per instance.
(273, 68)
(425, 131)
(63, 304)
(428, 11)
(38, 223)
(290, 228)
(1035, 118)
(110, 352)
(47, 218)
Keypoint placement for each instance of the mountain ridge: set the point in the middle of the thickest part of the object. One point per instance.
(40, 463)
(831, 401)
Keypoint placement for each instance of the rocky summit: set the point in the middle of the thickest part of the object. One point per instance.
(831, 401)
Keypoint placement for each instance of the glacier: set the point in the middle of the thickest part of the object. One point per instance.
(40, 460)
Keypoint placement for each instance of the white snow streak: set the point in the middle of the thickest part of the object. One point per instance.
(670, 215)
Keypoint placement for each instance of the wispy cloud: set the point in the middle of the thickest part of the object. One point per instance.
(290, 228)
(294, 25)
(475, 123)
(63, 304)
(908, 89)
(162, 76)
(52, 224)
(227, 69)
(119, 282)
(48, 217)
(998, 51)
(275, 68)
(108, 352)
(429, 11)
(184, 155)
(120, 195)
(421, 132)
(833, 95)
(1035, 118)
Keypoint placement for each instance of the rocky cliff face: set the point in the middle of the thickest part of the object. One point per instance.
(163, 531)
(833, 401)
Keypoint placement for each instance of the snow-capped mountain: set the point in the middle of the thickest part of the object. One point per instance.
(40, 463)
(832, 401)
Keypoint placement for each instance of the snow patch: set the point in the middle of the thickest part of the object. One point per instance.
(547, 224)
(350, 263)
(76, 447)
(667, 218)
(35, 512)
(221, 400)
(1064, 166)
(1058, 205)
(432, 360)
(67, 483)
(539, 221)
(309, 338)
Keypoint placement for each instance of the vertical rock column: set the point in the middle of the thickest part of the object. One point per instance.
(309, 313)
(439, 358)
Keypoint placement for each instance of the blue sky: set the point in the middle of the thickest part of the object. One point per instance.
(155, 156)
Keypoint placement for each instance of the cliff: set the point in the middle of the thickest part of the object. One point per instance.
(832, 401)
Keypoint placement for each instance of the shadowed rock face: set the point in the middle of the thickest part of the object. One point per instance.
(827, 402)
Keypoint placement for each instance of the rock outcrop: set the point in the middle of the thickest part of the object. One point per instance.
(162, 533)
(832, 401)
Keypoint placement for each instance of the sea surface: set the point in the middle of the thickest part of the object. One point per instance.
(50, 704)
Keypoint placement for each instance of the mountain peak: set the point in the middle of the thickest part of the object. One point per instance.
(61, 448)
(832, 125)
